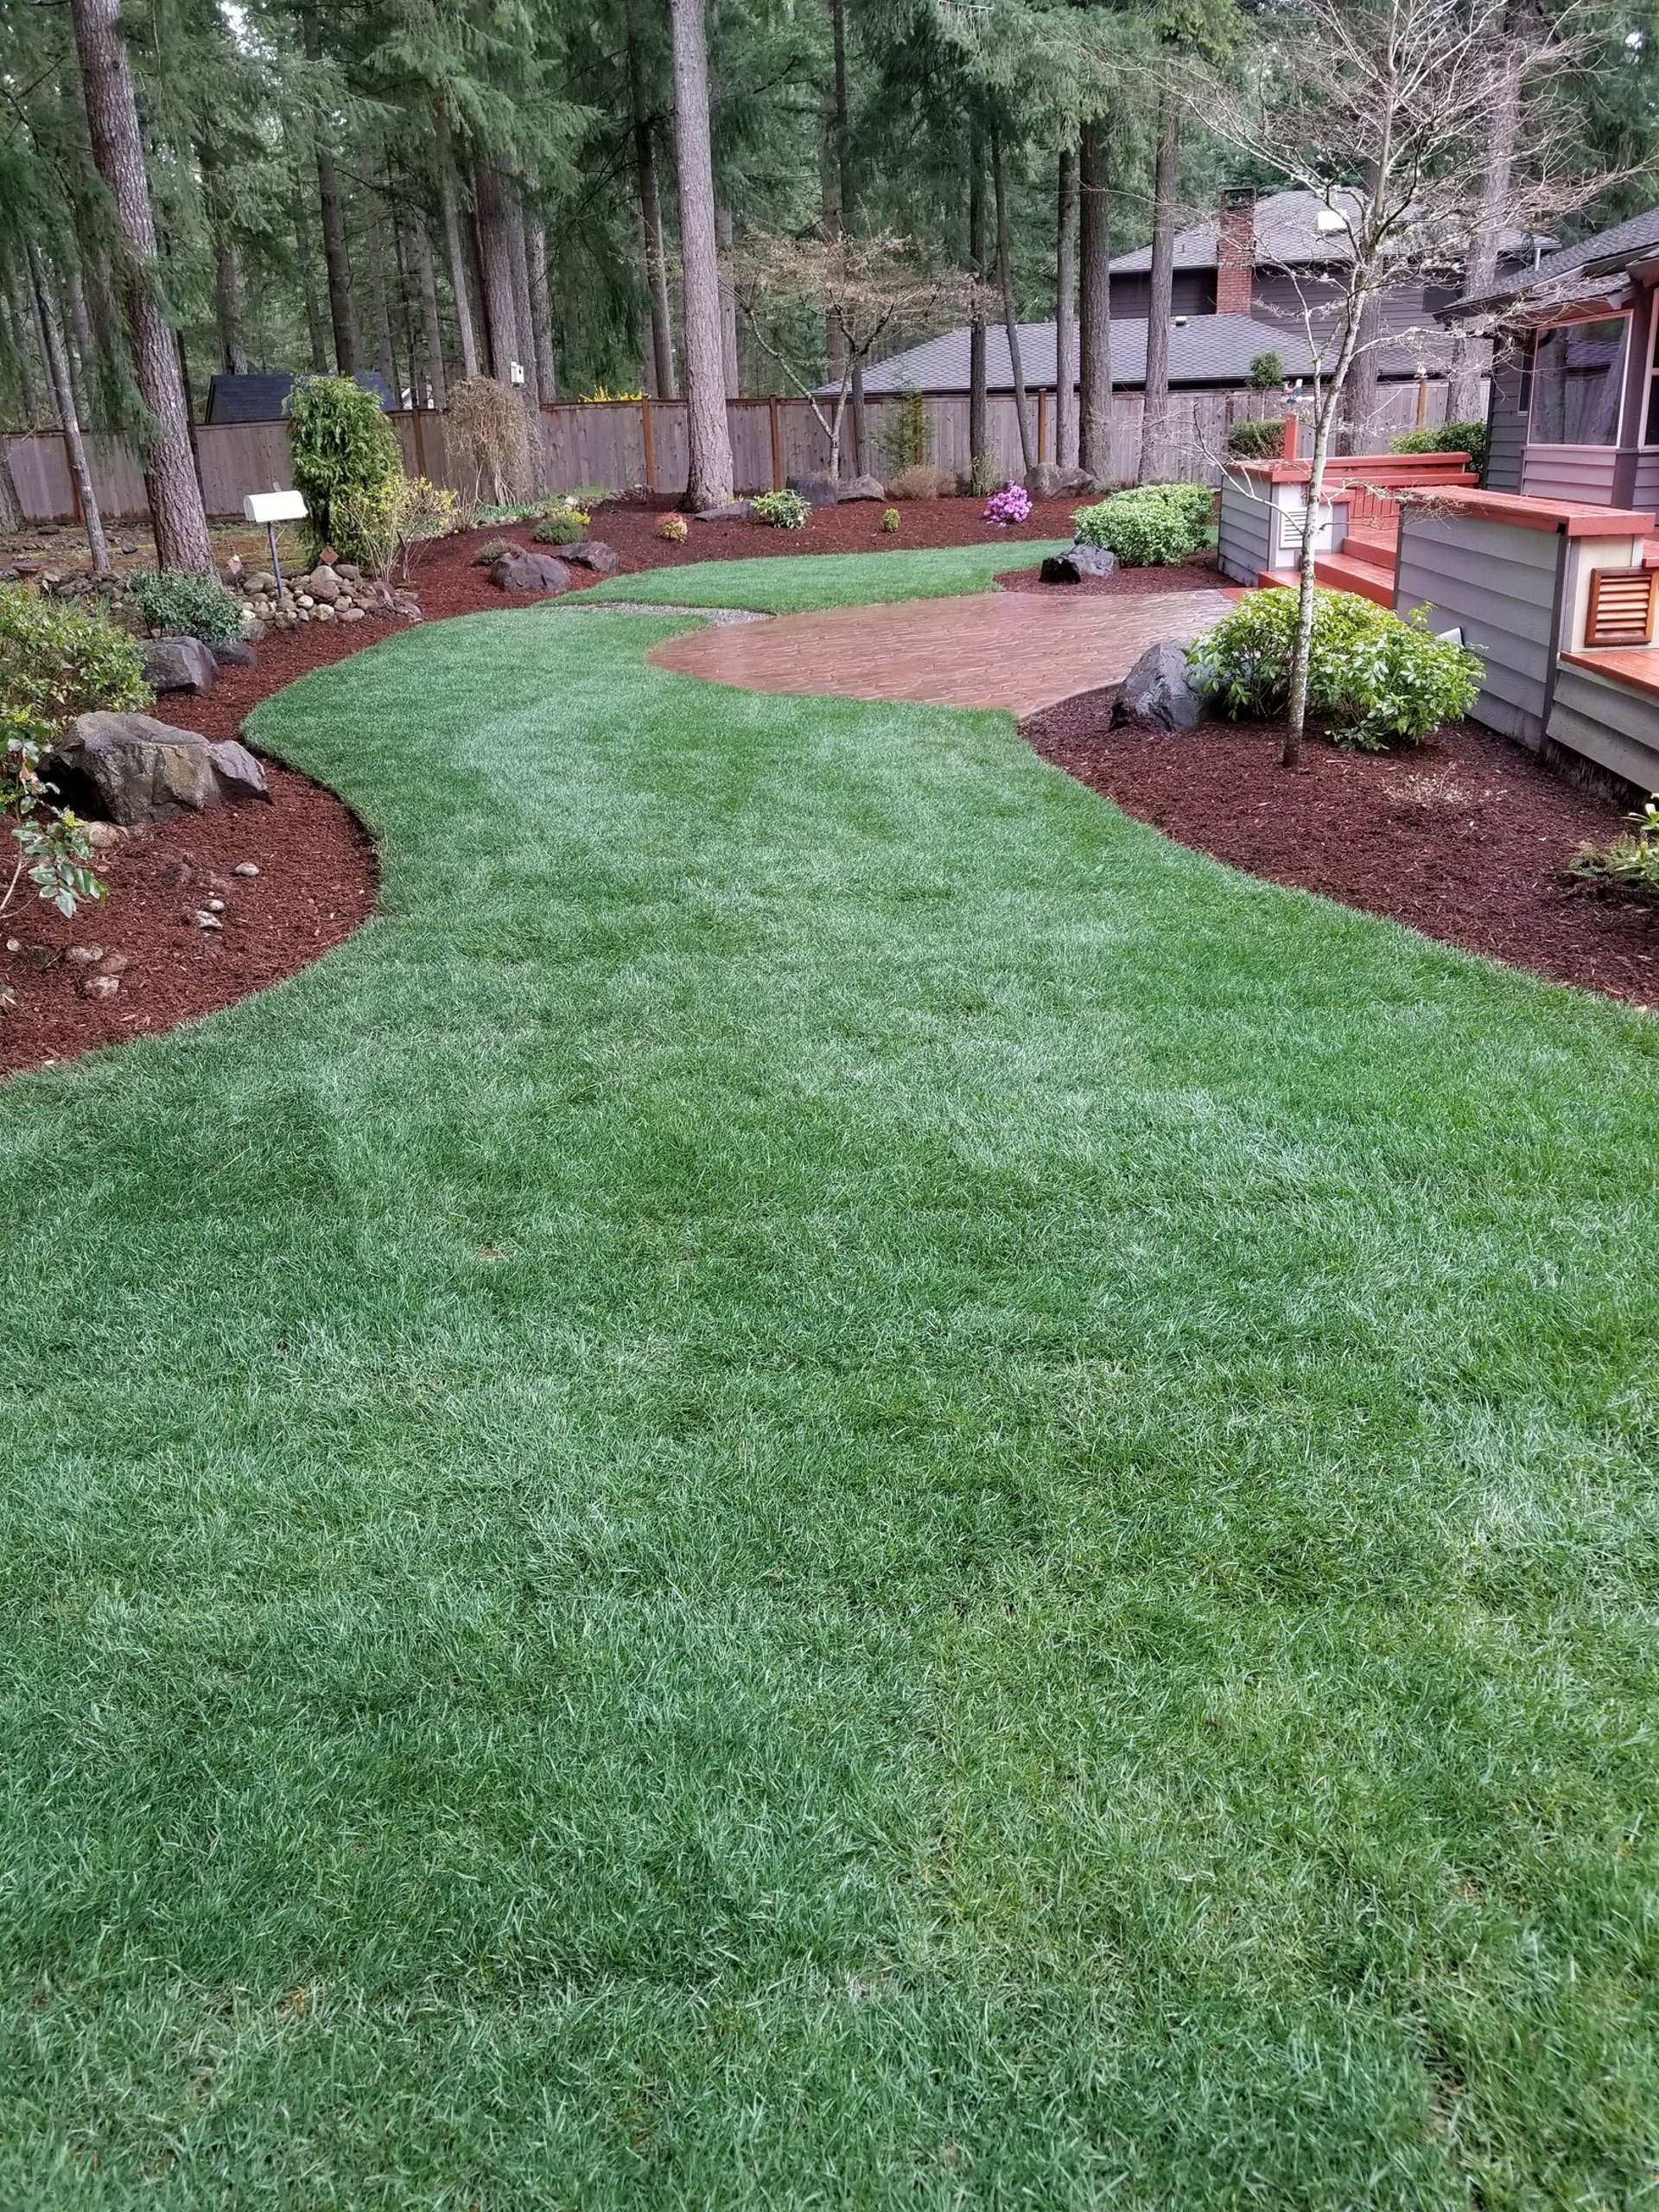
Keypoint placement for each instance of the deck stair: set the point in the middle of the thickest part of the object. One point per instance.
(1370, 551)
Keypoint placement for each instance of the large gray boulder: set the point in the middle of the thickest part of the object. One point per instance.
(1049, 482)
(730, 511)
(816, 491)
(178, 664)
(1077, 564)
(240, 778)
(1156, 691)
(131, 768)
(862, 487)
(533, 576)
(592, 554)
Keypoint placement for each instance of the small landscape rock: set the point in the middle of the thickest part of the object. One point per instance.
(101, 986)
(178, 664)
(133, 768)
(592, 554)
(862, 487)
(348, 615)
(85, 956)
(1156, 691)
(1049, 482)
(101, 835)
(247, 868)
(732, 510)
(36, 955)
(536, 575)
(215, 905)
(816, 491)
(205, 919)
(239, 777)
(115, 963)
(1077, 563)
(238, 654)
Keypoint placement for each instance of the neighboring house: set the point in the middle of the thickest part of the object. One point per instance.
(1245, 282)
(1574, 411)
(259, 397)
(1207, 352)
(1278, 255)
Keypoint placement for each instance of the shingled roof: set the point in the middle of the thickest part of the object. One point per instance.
(1568, 273)
(1294, 230)
(1203, 349)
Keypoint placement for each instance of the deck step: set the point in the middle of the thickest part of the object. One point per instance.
(1369, 580)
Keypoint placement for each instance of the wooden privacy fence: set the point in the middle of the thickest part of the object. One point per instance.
(621, 443)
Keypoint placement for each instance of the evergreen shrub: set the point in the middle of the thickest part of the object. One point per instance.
(344, 450)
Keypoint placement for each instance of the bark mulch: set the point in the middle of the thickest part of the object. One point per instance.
(1465, 840)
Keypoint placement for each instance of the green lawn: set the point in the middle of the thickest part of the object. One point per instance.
(829, 1483)
(790, 585)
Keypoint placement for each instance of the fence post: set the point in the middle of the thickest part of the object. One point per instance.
(777, 446)
(645, 432)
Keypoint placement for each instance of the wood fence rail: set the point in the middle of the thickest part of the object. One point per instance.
(620, 443)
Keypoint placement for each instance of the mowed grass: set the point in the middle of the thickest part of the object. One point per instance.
(795, 585)
(830, 1482)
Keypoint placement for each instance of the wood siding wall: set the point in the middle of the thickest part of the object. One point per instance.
(1506, 426)
(1581, 472)
(1497, 584)
(1610, 723)
(1245, 547)
(621, 443)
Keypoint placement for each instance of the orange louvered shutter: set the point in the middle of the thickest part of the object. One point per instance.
(1621, 607)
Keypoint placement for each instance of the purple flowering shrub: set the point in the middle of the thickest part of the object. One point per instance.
(1011, 504)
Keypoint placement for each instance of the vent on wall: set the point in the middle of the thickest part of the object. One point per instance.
(1621, 607)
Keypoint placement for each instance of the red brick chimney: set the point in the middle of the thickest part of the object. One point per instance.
(1235, 250)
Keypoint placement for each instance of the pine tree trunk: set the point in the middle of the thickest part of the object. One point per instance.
(454, 252)
(412, 335)
(979, 401)
(1095, 305)
(1065, 311)
(22, 322)
(432, 321)
(80, 322)
(316, 335)
(523, 321)
(1010, 313)
(1160, 305)
(728, 300)
(180, 526)
(342, 307)
(847, 199)
(495, 261)
(386, 359)
(835, 357)
(57, 364)
(648, 185)
(227, 308)
(708, 436)
(1472, 356)
(541, 310)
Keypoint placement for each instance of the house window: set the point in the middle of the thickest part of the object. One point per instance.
(1650, 434)
(1577, 374)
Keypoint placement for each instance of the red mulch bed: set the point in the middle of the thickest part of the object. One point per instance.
(316, 884)
(1465, 840)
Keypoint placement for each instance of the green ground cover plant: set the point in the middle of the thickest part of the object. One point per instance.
(829, 1481)
(184, 603)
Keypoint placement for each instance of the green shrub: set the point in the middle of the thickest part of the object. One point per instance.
(61, 657)
(1152, 527)
(782, 509)
(53, 852)
(496, 549)
(186, 603)
(1267, 371)
(343, 447)
(1374, 678)
(1629, 862)
(563, 526)
(904, 433)
(1450, 437)
(890, 520)
(1262, 441)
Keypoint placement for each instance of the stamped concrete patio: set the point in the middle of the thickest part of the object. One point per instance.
(1018, 650)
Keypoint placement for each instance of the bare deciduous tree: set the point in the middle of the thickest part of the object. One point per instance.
(864, 290)
(1381, 110)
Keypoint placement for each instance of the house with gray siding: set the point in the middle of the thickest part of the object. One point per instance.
(1574, 408)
